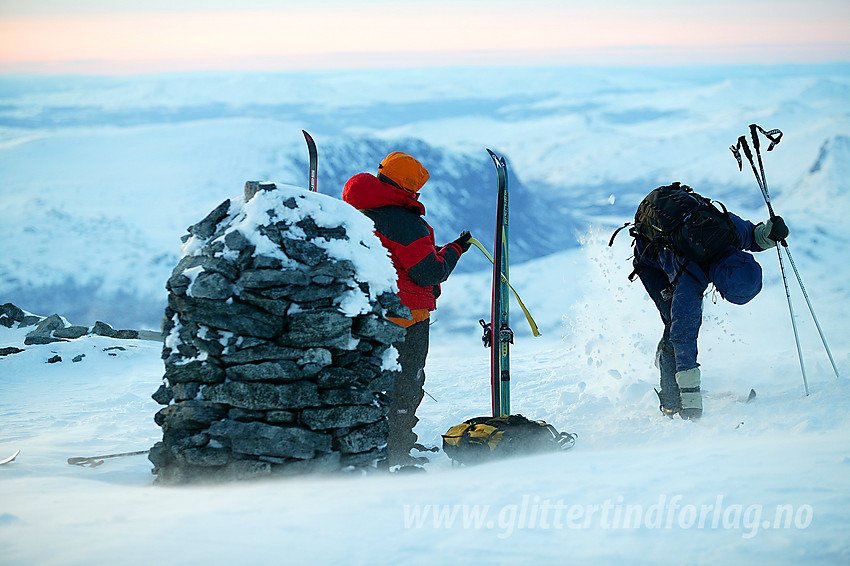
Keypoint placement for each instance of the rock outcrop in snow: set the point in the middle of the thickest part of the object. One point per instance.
(277, 351)
(55, 328)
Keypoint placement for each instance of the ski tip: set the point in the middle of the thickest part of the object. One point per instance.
(10, 458)
(499, 161)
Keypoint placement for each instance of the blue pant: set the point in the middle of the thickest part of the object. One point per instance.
(681, 313)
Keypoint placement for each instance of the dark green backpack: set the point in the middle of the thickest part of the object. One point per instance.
(676, 218)
(484, 438)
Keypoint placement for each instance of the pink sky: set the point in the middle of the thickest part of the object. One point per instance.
(95, 36)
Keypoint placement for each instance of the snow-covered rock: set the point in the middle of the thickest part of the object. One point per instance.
(275, 340)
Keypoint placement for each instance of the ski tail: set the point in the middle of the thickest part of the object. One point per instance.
(314, 161)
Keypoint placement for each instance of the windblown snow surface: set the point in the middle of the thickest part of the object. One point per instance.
(766, 482)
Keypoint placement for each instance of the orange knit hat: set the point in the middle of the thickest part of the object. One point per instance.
(404, 171)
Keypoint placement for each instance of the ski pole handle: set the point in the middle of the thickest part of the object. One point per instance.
(742, 142)
(754, 133)
(774, 135)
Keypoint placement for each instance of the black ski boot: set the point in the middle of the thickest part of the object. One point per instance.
(399, 446)
(668, 409)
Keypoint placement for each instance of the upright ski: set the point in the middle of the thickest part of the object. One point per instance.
(314, 161)
(463, 443)
(501, 334)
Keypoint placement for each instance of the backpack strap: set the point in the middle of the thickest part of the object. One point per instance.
(639, 259)
(617, 231)
(564, 440)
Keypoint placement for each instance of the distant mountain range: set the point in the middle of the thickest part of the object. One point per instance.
(100, 176)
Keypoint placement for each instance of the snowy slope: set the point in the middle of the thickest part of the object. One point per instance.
(735, 468)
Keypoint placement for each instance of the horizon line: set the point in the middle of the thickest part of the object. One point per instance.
(641, 55)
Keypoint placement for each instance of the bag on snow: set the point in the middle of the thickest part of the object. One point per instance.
(483, 438)
(676, 218)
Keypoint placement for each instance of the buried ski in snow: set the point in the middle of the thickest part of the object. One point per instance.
(729, 395)
(10, 458)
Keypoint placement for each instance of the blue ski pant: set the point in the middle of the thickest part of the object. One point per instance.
(681, 313)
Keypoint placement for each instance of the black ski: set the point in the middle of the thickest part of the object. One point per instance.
(501, 335)
(314, 161)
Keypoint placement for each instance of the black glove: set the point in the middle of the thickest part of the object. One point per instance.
(463, 241)
(778, 230)
(768, 233)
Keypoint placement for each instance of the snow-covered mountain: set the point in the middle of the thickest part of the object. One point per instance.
(100, 176)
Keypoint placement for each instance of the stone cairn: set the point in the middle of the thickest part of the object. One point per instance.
(278, 356)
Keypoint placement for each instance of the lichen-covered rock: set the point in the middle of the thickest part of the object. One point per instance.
(363, 439)
(260, 439)
(264, 396)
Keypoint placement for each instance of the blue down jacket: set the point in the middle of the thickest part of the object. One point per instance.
(735, 273)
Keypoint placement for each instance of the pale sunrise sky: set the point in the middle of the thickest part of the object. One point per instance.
(129, 36)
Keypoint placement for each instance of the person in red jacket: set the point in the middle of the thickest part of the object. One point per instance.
(391, 200)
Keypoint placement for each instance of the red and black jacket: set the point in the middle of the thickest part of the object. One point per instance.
(399, 223)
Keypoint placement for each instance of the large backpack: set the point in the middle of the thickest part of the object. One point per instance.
(484, 438)
(674, 217)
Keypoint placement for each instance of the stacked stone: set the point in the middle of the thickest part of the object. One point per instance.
(264, 373)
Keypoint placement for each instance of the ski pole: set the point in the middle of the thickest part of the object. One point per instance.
(775, 136)
(93, 460)
(742, 143)
(811, 309)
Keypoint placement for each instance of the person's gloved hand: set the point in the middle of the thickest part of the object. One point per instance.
(768, 233)
(463, 241)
